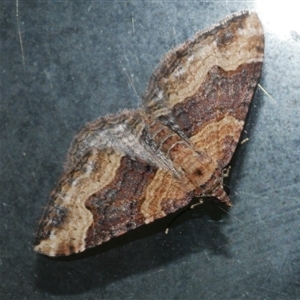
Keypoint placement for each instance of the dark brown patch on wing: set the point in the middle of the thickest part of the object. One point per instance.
(116, 208)
(222, 93)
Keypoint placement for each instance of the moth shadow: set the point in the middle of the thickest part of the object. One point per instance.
(142, 250)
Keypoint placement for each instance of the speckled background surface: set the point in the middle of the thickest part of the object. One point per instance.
(85, 59)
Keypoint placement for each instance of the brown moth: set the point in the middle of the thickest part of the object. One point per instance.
(128, 169)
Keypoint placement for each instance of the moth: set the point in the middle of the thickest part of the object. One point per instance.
(128, 169)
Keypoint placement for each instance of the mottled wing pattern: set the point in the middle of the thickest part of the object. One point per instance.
(126, 132)
(105, 191)
(129, 169)
(203, 88)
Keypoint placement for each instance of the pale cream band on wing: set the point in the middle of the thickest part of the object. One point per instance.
(186, 80)
(79, 218)
(164, 186)
(207, 139)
